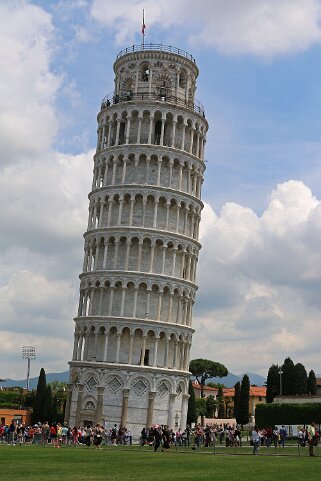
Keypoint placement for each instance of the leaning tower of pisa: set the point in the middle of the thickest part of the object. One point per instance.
(133, 332)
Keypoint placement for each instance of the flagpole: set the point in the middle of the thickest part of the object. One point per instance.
(143, 28)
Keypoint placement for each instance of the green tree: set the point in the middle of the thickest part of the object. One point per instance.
(37, 414)
(216, 385)
(237, 394)
(312, 384)
(48, 411)
(59, 397)
(243, 408)
(288, 377)
(272, 383)
(204, 369)
(300, 379)
(201, 408)
(211, 405)
(221, 404)
(191, 411)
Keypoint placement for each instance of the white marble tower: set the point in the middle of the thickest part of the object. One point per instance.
(133, 331)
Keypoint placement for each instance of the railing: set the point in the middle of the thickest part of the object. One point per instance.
(111, 99)
(156, 46)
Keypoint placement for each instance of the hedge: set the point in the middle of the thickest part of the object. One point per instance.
(273, 413)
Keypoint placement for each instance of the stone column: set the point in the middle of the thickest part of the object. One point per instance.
(159, 308)
(151, 122)
(139, 257)
(150, 410)
(105, 253)
(118, 347)
(111, 300)
(117, 132)
(122, 304)
(156, 351)
(135, 301)
(113, 177)
(68, 402)
(183, 137)
(100, 400)
(162, 132)
(106, 172)
(139, 129)
(159, 172)
(180, 177)
(76, 341)
(155, 214)
(109, 133)
(185, 398)
(170, 421)
(152, 251)
(128, 244)
(130, 222)
(131, 344)
(124, 411)
(128, 130)
(79, 402)
(174, 261)
(169, 319)
(106, 347)
(116, 253)
(168, 205)
(120, 210)
(143, 351)
(173, 133)
(79, 350)
(123, 177)
(166, 353)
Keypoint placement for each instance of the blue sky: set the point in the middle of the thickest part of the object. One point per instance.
(260, 84)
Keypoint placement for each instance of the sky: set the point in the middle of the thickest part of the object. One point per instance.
(259, 272)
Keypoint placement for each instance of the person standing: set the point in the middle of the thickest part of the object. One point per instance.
(256, 440)
(283, 435)
(311, 438)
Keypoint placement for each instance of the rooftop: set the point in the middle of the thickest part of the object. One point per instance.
(156, 47)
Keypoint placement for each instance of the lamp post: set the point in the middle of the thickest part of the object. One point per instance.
(28, 352)
(280, 373)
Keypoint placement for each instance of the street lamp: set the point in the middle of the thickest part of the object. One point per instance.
(28, 352)
(280, 373)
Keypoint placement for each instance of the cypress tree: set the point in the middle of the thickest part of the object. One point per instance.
(237, 394)
(211, 405)
(243, 408)
(37, 414)
(191, 411)
(288, 377)
(312, 384)
(221, 405)
(49, 414)
(300, 379)
(272, 383)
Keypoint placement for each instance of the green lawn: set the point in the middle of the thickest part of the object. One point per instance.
(116, 463)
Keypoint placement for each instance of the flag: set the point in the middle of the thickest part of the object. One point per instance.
(143, 25)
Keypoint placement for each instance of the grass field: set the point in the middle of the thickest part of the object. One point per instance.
(117, 463)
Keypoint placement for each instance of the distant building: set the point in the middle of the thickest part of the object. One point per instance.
(22, 416)
(257, 396)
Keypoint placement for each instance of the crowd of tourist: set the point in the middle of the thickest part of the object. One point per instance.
(157, 436)
(58, 434)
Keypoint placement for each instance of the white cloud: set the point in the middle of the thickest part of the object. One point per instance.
(27, 86)
(260, 278)
(265, 28)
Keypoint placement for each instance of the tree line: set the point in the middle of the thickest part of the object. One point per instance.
(289, 379)
(204, 369)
